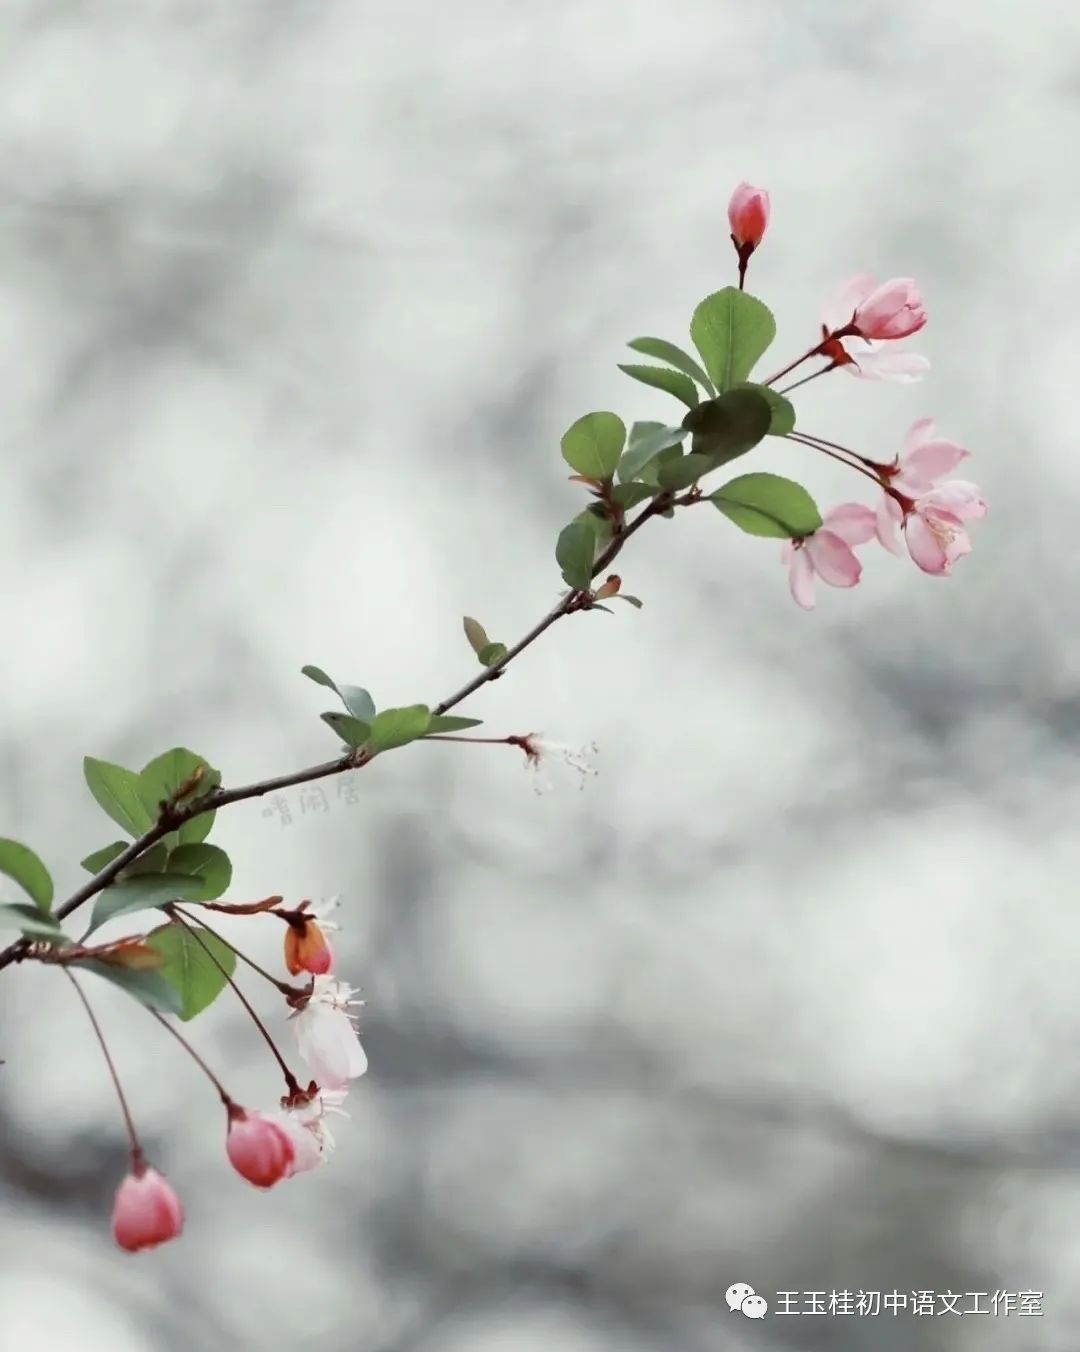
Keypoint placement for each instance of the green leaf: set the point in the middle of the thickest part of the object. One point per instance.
(593, 444)
(647, 439)
(663, 378)
(662, 350)
(729, 426)
(768, 505)
(351, 730)
(629, 495)
(153, 861)
(148, 987)
(651, 472)
(197, 975)
(29, 920)
(683, 472)
(575, 550)
(357, 700)
(450, 723)
(398, 727)
(117, 793)
(319, 676)
(207, 863)
(144, 893)
(634, 601)
(161, 780)
(731, 330)
(783, 411)
(22, 866)
(94, 863)
(475, 633)
(491, 653)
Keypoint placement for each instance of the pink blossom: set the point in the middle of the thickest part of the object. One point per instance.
(894, 309)
(828, 553)
(259, 1149)
(146, 1212)
(933, 525)
(326, 1035)
(855, 313)
(748, 215)
(925, 460)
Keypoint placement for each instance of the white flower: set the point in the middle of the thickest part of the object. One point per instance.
(326, 1035)
(305, 1122)
(538, 750)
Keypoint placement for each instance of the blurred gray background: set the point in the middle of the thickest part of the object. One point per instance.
(296, 301)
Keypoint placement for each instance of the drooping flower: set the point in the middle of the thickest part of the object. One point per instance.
(933, 525)
(259, 1149)
(748, 216)
(828, 552)
(539, 751)
(326, 1034)
(861, 311)
(924, 462)
(304, 1117)
(307, 948)
(146, 1212)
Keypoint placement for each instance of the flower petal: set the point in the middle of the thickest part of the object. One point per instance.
(833, 559)
(854, 522)
(888, 516)
(801, 579)
(845, 300)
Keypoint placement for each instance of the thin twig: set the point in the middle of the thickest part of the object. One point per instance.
(136, 1148)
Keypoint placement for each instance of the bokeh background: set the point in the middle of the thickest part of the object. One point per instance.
(296, 301)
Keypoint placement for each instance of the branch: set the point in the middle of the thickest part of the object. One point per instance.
(354, 760)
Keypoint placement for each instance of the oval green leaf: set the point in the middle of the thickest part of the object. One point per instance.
(475, 633)
(768, 505)
(28, 920)
(94, 863)
(662, 350)
(117, 793)
(783, 411)
(593, 444)
(398, 727)
(144, 893)
(207, 863)
(351, 731)
(22, 866)
(729, 426)
(681, 473)
(575, 550)
(491, 653)
(731, 330)
(647, 439)
(664, 378)
(149, 988)
(197, 965)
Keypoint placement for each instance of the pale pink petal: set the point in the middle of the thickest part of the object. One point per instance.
(925, 547)
(833, 559)
(918, 434)
(893, 310)
(801, 579)
(921, 468)
(888, 517)
(963, 499)
(842, 304)
(902, 368)
(854, 522)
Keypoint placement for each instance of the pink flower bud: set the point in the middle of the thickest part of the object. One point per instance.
(892, 310)
(307, 949)
(259, 1149)
(748, 215)
(146, 1211)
